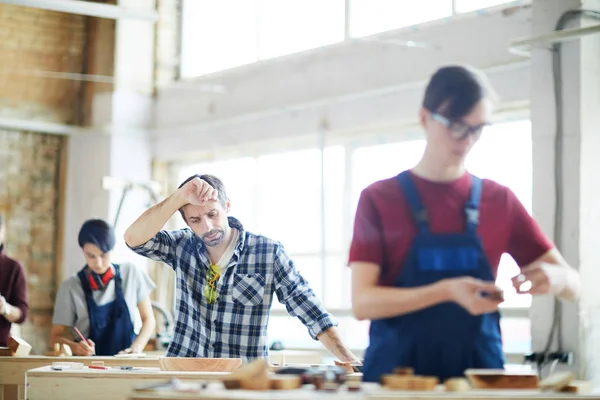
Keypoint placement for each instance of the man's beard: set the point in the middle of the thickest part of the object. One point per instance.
(217, 236)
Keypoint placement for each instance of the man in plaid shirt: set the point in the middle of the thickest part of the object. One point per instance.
(226, 277)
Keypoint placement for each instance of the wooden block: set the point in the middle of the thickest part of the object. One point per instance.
(18, 347)
(252, 376)
(408, 382)
(353, 386)
(285, 382)
(66, 350)
(403, 371)
(457, 385)
(578, 387)
(199, 364)
(502, 379)
(5, 351)
(556, 381)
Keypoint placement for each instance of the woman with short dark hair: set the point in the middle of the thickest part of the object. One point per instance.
(427, 244)
(109, 304)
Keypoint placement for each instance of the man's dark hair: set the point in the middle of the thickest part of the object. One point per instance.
(455, 90)
(213, 181)
(99, 233)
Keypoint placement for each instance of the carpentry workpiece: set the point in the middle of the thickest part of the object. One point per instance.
(409, 382)
(252, 376)
(199, 364)
(18, 347)
(60, 350)
(456, 385)
(13, 369)
(502, 379)
(102, 383)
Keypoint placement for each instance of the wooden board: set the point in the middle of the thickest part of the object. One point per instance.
(199, 364)
(502, 379)
(96, 384)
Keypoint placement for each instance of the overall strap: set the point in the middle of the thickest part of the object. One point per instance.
(118, 282)
(472, 205)
(417, 209)
(85, 284)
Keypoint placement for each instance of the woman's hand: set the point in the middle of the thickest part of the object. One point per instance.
(87, 348)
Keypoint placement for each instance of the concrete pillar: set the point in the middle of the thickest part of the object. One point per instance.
(580, 229)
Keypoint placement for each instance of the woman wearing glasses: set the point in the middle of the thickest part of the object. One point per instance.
(427, 244)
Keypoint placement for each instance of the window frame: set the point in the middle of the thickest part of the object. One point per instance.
(347, 37)
(350, 144)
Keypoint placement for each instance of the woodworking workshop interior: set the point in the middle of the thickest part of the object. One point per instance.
(299, 199)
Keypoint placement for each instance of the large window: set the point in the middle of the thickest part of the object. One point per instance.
(280, 195)
(222, 34)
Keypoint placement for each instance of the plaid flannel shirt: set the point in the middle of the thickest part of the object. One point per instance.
(236, 325)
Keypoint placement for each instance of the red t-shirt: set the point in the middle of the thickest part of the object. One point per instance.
(384, 228)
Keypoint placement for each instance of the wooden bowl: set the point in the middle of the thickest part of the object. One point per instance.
(199, 364)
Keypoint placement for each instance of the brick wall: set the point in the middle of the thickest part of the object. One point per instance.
(34, 42)
(29, 192)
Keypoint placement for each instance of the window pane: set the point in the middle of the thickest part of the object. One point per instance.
(289, 26)
(291, 332)
(368, 17)
(516, 335)
(463, 6)
(337, 282)
(373, 163)
(311, 268)
(488, 159)
(335, 181)
(288, 200)
(215, 38)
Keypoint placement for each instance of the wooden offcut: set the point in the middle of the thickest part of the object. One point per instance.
(285, 382)
(252, 376)
(502, 379)
(409, 382)
(18, 347)
(557, 381)
(457, 385)
(199, 364)
(578, 387)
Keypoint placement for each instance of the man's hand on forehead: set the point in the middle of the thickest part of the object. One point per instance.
(198, 192)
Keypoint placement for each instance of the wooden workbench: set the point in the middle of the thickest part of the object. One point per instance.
(369, 392)
(93, 384)
(13, 369)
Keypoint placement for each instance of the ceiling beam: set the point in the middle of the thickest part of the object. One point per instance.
(87, 8)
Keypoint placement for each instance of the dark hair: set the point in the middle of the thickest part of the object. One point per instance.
(213, 181)
(455, 90)
(97, 232)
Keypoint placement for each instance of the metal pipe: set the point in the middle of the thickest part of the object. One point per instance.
(524, 47)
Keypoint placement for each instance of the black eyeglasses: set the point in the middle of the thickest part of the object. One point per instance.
(458, 130)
